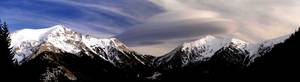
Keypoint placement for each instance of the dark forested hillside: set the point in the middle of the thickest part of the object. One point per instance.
(7, 69)
(66, 67)
(280, 63)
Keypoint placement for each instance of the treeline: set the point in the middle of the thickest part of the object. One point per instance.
(8, 68)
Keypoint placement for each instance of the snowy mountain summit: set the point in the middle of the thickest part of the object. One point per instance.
(59, 38)
(203, 49)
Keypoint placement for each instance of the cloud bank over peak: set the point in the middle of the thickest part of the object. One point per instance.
(185, 20)
(174, 26)
(271, 18)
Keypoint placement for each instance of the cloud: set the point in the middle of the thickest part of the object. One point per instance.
(257, 20)
(159, 25)
(185, 20)
(155, 49)
(163, 32)
(177, 25)
(95, 6)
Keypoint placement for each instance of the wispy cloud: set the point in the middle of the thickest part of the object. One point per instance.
(95, 6)
(96, 17)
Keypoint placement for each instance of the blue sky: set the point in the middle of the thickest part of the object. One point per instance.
(158, 26)
(105, 16)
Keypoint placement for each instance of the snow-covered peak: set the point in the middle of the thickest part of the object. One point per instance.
(23, 35)
(205, 46)
(105, 47)
(33, 34)
(215, 43)
(64, 38)
(28, 41)
(25, 42)
(202, 49)
(60, 29)
(239, 43)
(92, 41)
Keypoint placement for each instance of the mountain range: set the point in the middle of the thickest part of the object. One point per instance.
(58, 54)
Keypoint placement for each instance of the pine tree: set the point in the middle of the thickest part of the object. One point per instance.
(6, 56)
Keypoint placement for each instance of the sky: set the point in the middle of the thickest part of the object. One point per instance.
(156, 27)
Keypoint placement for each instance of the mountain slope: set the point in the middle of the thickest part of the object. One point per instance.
(271, 59)
(28, 42)
(71, 53)
(203, 49)
(212, 55)
(280, 63)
